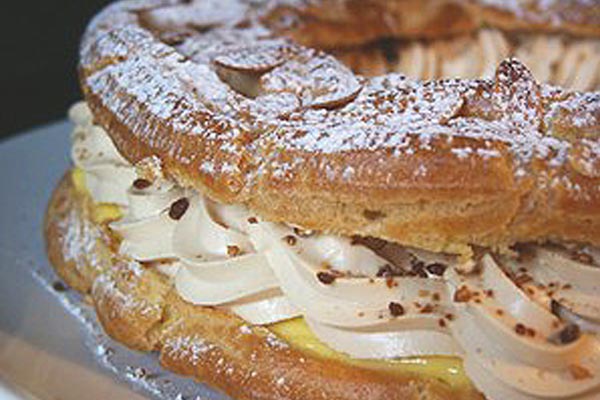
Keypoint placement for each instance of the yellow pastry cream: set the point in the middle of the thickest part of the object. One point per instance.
(102, 212)
(446, 369)
(364, 302)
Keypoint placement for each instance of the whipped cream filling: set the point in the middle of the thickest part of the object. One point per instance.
(511, 321)
(107, 174)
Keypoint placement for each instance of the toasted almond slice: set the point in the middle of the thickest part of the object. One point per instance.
(242, 67)
(541, 53)
(585, 71)
(494, 50)
(255, 59)
(431, 63)
(459, 58)
(518, 94)
(199, 15)
(412, 60)
(565, 74)
(318, 79)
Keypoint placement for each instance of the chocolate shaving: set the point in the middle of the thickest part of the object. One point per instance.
(179, 208)
(437, 269)
(520, 329)
(141, 184)
(290, 240)
(418, 269)
(389, 270)
(326, 278)
(569, 334)
(427, 309)
(59, 286)
(396, 309)
(555, 307)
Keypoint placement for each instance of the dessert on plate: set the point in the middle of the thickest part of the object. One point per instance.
(281, 226)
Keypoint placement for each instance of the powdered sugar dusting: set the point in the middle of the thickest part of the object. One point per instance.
(554, 12)
(138, 369)
(306, 101)
(190, 348)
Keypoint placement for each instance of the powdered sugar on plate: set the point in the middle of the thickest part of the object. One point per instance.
(140, 370)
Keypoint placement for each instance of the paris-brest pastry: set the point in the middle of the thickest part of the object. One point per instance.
(310, 200)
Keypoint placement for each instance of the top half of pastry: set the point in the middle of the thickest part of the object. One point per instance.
(238, 100)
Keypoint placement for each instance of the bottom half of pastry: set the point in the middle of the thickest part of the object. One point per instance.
(139, 306)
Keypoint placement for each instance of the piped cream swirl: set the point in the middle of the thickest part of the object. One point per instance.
(107, 174)
(221, 255)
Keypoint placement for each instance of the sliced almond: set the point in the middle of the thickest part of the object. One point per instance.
(241, 68)
(256, 59)
(319, 80)
(494, 50)
(198, 15)
(584, 75)
(518, 94)
(411, 60)
(459, 58)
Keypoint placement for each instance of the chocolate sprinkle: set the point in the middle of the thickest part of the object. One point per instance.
(555, 307)
(59, 286)
(179, 208)
(418, 269)
(326, 278)
(437, 269)
(520, 329)
(569, 334)
(141, 184)
(396, 309)
(290, 240)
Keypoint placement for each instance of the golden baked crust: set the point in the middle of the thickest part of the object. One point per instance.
(138, 307)
(240, 114)
(330, 24)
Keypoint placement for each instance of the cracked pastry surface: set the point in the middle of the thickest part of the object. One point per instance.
(295, 135)
(234, 174)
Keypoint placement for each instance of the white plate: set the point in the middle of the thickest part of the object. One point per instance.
(50, 344)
